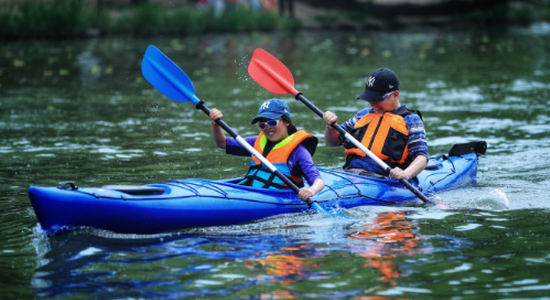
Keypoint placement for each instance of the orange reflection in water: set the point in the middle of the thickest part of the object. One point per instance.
(278, 295)
(286, 267)
(390, 235)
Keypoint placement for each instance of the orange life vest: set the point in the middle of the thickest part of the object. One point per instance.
(260, 176)
(385, 135)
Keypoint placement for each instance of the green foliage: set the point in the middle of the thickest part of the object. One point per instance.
(39, 18)
(495, 14)
(268, 21)
(8, 20)
(238, 19)
(359, 15)
(522, 14)
(291, 24)
(530, 10)
(184, 19)
(326, 19)
(69, 18)
(101, 22)
(149, 18)
(142, 18)
(244, 19)
(513, 12)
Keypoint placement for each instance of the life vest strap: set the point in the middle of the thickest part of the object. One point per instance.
(254, 177)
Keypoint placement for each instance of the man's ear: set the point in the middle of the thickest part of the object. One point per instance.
(396, 93)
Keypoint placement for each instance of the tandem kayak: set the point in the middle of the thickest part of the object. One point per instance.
(178, 204)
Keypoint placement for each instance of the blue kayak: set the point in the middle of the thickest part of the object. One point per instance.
(168, 206)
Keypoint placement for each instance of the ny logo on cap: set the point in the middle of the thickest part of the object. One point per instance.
(265, 105)
(370, 81)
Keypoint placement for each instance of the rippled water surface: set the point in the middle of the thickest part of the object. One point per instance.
(82, 111)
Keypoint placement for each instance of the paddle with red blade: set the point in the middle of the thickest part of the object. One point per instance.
(170, 80)
(275, 77)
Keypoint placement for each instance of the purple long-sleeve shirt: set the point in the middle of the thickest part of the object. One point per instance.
(300, 161)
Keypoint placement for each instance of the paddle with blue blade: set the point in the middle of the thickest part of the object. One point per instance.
(275, 77)
(171, 81)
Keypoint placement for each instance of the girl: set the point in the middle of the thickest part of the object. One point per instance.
(288, 149)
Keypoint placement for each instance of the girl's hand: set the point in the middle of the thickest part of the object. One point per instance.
(305, 194)
(215, 115)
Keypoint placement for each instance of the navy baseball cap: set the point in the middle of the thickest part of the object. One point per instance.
(272, 109)
(379, 83)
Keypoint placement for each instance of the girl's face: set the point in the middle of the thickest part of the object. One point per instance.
(275, 133)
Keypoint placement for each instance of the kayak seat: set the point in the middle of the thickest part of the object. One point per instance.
(136, 189)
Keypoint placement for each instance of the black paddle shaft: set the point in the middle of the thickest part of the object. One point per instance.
(340, 130)
(231, 132)
(226, 127)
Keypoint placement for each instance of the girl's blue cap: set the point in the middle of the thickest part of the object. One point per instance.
(272, 109)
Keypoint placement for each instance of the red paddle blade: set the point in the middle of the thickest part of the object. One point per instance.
(270, 73)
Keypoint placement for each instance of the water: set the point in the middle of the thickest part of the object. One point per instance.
(82, 111)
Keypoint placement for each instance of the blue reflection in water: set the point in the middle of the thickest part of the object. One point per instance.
(75, 264)
(184, 265)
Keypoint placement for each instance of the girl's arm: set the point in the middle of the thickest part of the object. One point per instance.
(217, 132)
(302, 159)
(316, 187)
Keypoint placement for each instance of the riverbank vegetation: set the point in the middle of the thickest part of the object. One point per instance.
(74, 18)
(56, 19)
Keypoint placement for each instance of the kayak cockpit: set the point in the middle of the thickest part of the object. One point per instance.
(136, 189)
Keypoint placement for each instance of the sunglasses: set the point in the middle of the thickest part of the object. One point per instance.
(270, 123)
(383, 97)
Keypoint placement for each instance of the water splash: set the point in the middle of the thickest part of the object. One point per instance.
(494, 200)
(41, 245)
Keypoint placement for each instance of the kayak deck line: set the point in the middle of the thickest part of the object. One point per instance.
(359, 191)
(200, 183)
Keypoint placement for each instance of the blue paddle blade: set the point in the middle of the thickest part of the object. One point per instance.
(167, 77)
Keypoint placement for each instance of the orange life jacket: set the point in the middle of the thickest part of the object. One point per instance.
(385, 135)
(260, 176)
